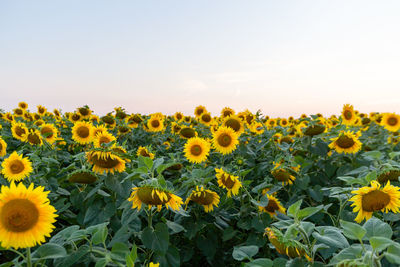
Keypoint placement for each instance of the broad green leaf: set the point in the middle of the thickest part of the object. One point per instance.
(261, 262)
(294, 209)
(244, 252)
(307, 212)
(380, 243)
(393, 254)
(156, 239)
(50, 251)
(376, 227)
(352, 230)
(331, 236)
(100, 235)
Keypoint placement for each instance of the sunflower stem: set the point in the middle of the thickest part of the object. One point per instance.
(28, 257)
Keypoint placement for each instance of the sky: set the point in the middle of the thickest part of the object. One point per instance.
(282, 57)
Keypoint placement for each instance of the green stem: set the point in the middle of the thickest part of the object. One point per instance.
(28, 257)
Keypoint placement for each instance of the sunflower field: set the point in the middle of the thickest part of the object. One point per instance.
(240, 189)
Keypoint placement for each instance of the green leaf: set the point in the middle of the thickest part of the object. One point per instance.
(131, 257)
(394, 154)
(101, 263)
(373, 155)
(145, 161)
(393, 254)
(50, 251)
(350, 180)
(353, 252)
(119, 251)
(73, 258)
(294, 209)
(244, 252)
(261, 262)
(307, 212)
(175, 227)
(331, 236)
(100, 235)
(352, 230)
(157, 239)
(376, 227)
(380, 243)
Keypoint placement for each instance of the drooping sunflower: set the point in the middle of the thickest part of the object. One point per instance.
(228, 181)
(85, 112)
(187, 132)
(49, 132)
(108, 161)
(348, 115)
(3, 147)
(34, 137)
(19, 131)
(282, 174)
(273, 206)
(225, 140)
(285, 246)
(144, 152)
(369, 199)
(347, 142)
(196, 149)
(199, 110)
(82, 132)
(16, 167)
(154, 196)
(23, 105)
(155, 123)
(26, 216)
(235, 123)
(82, 177)
(226, 112)
(103, 138)
(391, 121)
(205, 197)
(388, 175)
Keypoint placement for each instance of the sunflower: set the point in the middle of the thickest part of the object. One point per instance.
(312, 130)
(82, 177)
(8, 117)
(389, 175)
(103, 138)
(23, 105)
(82, 132)
(370, 199)
(155, 123)
(154, 196)
(196, 149)
(271, 123)
(106, 161)
(207, 198)
(85, 112)
(391, 122)
(49, 132)
(285, 246)
(257, 127)
(178, 116)
(122, 130)
(175, 128)
(19, 131)
(206, 118)
(347, 142)
(39, 123)
(26, 216)
(283, 122)
(144, 152)
(41, 110)
(34, 137)
(16, 168)
(235, 123)
(3, 147)
(273, 206)
(282, 174)
(225, 140)
(99, 129)
(19, 112)
(199, 110)
(187, 132)
(228, 181)
(348, 115)
(226, 112)
(151, 264)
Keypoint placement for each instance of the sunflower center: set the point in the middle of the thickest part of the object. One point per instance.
(234, 124)
(227, 113)
(206, 118)
(47, 131)
(281, 175)
(375, 200)
(144, 153)
(272, 206)
(20, 131)
(224, 140)
(196, 150)
(199, 111)
(347, 114)
(83, 132)
(228, 181)
(155, 123)
(34, 139)
(106, 162)
(149, 196)
(204, 198)
(17, 166)
(345, 142)
(19, 215)
(104, 140)
(392, 121)
(188, 132)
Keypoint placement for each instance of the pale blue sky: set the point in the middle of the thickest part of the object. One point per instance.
(283, 57)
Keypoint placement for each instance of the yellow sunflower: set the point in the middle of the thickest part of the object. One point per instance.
(106, 161)
(19, 112)
(228, 181)
(82, 132)
(225, 140)
(153, 196)
(271, 123)
(34, 137)
(16, 167)
(75, 117)
(178, 116)
(144, 152)
(283, 122)
(282, 174)
(273, 206)
(49, 132)
(199, 110)
(23, 105)
(3, 147)
(196, 149)
(155, 123)
(207, 198)
(370, 199)
(257, 127)
(19, 131)
(235, 123)
(347, 142)
(348, 115)
(41, 110)
(99, 129)
(85, 112)
(391, 122)
(226, 112)
(26, 216)
(103, 138)
(206, 118)
(187, 132)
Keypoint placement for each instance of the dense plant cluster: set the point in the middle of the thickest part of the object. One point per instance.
(240, 189)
